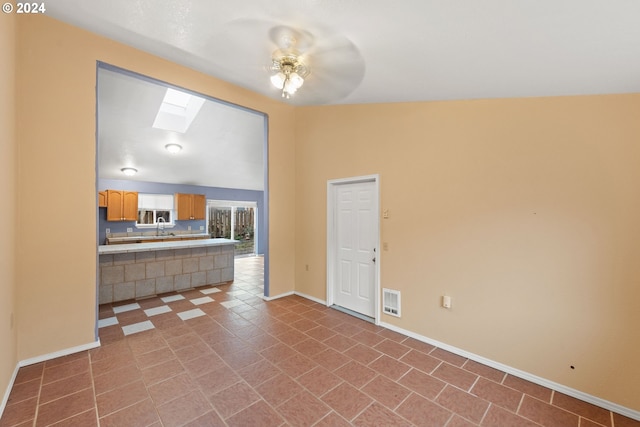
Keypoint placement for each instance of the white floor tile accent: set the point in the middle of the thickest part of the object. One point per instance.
(232, 303)
(238, 292)
(137, 327)
(128, 307)
(190, 314)
(157, 310)
(109, 321)
(172, 298)
(210, 291)
(203, 300)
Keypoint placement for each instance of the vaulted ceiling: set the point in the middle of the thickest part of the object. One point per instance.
(360, 51)
(409, 50)
(222, 147)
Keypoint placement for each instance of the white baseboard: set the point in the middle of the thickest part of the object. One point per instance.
(60, 353)
(5, 399)
(38, 359)
(614, 407)
(318, 300)
(286, 294)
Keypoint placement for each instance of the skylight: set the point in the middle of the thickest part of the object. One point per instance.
(177, 111)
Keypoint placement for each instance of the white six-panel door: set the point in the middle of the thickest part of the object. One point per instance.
(355, 238)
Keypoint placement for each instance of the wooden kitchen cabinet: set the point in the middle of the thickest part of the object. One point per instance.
(122, 205)
(190, 206)
(102, 199)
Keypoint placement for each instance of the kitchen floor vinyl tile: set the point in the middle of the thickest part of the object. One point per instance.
(128, 307)
(109, 321)
(191, 314)
(210, 291)
(157, 310)
(231, 303)
(203, 300)
(137, 327)
(172, 298)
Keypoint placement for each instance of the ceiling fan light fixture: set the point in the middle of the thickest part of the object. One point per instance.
(278, 79)
(173, 148)
(129, 171)
(289, 72)
(295, 80)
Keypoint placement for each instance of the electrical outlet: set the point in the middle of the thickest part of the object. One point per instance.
(189, 228)
(129, 230)
(306, 267)
(385, 246)
(107, 230)
(201, 227)
(385, 214)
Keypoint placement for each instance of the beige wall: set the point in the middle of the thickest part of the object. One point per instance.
(8, 148)
(525, 211)
(56, 168)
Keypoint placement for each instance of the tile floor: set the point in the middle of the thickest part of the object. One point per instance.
(221, 356)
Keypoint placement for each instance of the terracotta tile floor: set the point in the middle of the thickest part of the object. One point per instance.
(224, 357)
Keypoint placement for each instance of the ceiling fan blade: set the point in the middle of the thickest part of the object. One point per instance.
(242, 44)
(337, 68)
(286, 38)
(244, 48)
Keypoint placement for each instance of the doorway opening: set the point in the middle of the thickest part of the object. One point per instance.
(222, 153)
(353, 236)
(236, 220)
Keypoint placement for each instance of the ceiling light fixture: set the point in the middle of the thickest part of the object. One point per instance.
(173, 148)
(289, 70)
(129, 171)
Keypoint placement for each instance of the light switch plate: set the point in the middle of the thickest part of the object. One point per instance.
(446, 301)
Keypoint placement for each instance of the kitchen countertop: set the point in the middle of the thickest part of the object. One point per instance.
(157, 237)
(159, 246)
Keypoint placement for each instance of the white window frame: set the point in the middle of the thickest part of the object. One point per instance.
(154, 205)
(233, 204)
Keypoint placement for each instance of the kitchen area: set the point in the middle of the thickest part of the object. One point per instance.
(156, 260)
(169, 163)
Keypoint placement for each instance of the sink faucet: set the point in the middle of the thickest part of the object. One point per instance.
(160, 221)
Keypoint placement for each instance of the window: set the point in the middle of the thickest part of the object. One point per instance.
(234, 220)
(151, 217)
(154, 209)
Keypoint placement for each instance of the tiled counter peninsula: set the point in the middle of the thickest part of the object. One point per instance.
(140, 270)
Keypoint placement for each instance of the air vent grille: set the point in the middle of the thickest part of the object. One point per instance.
(391, 302)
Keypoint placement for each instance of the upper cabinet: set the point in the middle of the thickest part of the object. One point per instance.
(190, 206)
(122, 205)
(102, 199)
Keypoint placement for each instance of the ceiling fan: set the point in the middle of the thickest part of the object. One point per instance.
(288, 62)
(309, 66)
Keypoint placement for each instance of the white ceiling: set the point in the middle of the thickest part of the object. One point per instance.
(223, 147)
(363, 51)
(412, 50)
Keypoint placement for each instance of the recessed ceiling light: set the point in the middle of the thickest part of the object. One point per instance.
(173, 148)
(129, 171)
